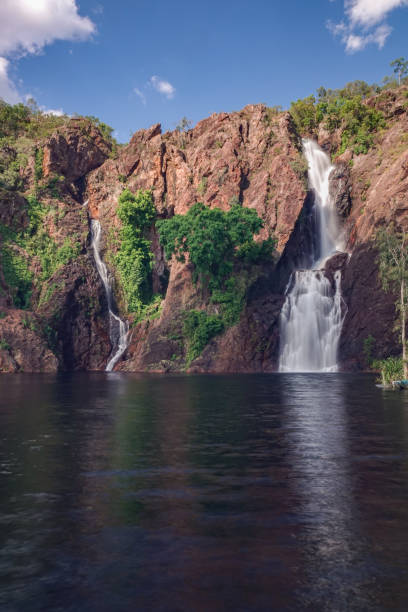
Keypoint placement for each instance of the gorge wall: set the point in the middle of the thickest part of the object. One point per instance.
(60, 320)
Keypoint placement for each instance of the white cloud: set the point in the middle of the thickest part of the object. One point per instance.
(163, 87)
(26, 26)
(357, 43)
(140, 95)
(58, 112)
(365, 23)
(368, 13)
(7, 89)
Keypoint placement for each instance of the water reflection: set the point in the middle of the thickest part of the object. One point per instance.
(124, 492)
(320, 456)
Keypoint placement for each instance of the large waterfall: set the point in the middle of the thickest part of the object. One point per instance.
(311, 318)
(118, 329)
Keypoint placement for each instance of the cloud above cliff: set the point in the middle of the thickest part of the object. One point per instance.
(27, 26)
(8, 90)
(365, 23)
(163, 87)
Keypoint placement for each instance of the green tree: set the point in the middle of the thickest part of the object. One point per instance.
(184, 125)
(393, 271)
(134, 258)
(212, 238)
(400, 67)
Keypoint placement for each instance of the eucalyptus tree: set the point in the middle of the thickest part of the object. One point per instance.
(400, 66)
(393, 270)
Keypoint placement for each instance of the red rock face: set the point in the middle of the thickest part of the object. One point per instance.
(379, 190)
(74, 150)
(251, 156)
(67, 324)
(21, 347)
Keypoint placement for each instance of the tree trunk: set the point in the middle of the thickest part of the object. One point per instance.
(403, 340)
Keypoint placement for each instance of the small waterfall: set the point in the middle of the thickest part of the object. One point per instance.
(118, 329)
(311, 318)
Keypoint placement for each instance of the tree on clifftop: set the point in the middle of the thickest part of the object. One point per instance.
(393, 270)
(400, 68)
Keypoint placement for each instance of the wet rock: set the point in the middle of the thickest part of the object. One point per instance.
(340, 188)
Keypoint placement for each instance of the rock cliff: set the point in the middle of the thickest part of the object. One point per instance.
(53, 310)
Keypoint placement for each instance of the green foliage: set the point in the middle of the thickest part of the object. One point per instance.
(13, 119)
(300, 168)
(53, 183)
(368, 347)
(304, 114)
(38, 162)
(199, 327)
(216, 242)
(234, 201)
(393, 272)
(17, 276)
(184, 125)
(231, 299)
(341, 109)
(202, 186)
(105, 129)
(393, 257)
(47, 293)
(4, 345)
(20, 248)
(21, 128)
(134, 258)
(271, 112)
(136, 211)
(391, 369)
(400, 67)
(212, 238)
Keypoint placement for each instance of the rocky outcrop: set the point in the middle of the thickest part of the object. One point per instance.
(340, 189)
(23, 347)
(252, 156)
(74, 151)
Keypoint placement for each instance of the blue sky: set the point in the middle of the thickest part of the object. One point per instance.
(133, 63)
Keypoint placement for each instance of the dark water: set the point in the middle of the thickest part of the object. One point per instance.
(280, 492)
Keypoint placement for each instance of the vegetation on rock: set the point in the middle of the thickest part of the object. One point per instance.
(134, 259)
(342, 109)
(393, 271)
(214, 240)
(221, 246)
(199, 327)
(24, 247)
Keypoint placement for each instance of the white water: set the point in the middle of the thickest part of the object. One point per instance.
(118, 329)
(311, 318)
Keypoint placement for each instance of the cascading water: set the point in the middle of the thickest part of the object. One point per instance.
(118, 329)
(311, 318)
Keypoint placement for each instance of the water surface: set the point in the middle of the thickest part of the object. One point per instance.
(269, 492)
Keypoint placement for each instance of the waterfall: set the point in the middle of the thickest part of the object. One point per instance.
(311, 317)
(118, 329)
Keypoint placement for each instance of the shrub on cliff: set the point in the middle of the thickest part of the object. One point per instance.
(221, 246)
(22, 247)
(342, 109)
(214, 240)
(134, 258)
(199, 327)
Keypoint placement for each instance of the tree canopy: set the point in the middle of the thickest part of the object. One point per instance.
(213, 238)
